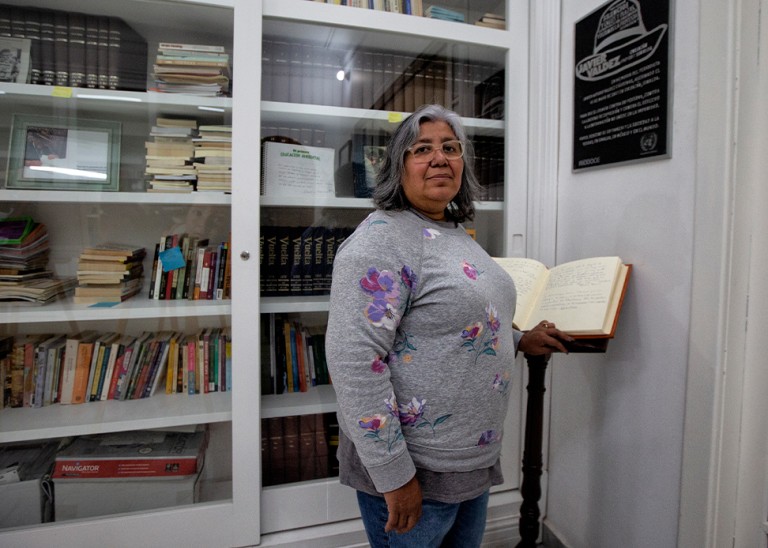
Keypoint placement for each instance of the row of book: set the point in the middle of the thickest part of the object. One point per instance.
(193, 69)
(293, 356)
(408, 7)
(45, 369)
(189, 267)
(299, 448)
(296, 260)
(77, 49)
(315, 74)
(489, 167)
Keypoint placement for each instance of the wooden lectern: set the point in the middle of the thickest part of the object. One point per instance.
(534, 427)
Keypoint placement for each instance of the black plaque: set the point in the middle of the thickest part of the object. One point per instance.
(621, 78)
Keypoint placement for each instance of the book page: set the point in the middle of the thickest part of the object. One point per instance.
(530, 277)
(578, 295)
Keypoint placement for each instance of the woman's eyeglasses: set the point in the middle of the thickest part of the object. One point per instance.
(424, 152)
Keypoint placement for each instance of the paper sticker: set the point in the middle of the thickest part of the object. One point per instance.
(172, 259)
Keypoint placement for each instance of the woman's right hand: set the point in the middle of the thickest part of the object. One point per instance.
(404, 505)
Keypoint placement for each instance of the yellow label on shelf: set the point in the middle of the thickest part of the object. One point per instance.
(61, 91)
(395, 117)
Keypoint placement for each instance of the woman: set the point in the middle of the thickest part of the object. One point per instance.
(421, 348)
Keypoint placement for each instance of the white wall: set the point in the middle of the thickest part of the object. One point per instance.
(616, 429)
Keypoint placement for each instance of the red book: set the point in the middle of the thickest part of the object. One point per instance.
(138, 454)
(205, 274)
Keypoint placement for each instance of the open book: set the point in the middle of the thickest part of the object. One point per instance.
(583, 298)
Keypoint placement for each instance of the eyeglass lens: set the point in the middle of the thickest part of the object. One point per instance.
(452, 150)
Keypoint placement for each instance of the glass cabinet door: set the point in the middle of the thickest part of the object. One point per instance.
(335, 82)
(116, 148)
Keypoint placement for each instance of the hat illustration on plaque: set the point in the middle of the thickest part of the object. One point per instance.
(621, 42)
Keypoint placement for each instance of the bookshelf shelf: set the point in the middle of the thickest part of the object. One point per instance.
(347, 119)
(318, 399)
(278, 305)
(135, 308)
(123, 198)
(157, 411)
(107, 100)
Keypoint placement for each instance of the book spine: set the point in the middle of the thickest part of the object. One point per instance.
(91, 54)
(47, 47)
(125, 468)
(84, 353)
(76, 50)
(221, 272)
(32, 30)
(29, 377)
(61, 48)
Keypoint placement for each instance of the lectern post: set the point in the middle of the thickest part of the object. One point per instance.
(532, 457)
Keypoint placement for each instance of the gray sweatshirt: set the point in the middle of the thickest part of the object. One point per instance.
(420, 347)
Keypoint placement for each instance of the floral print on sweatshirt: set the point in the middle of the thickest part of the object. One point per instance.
(482, 337)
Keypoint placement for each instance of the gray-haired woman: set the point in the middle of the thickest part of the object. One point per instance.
(421, 347)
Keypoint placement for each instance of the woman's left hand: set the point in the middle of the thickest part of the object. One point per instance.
(545, 338)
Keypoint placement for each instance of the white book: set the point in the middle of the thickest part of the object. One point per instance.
(297, 170)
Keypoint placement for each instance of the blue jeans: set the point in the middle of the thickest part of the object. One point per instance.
(441, 525)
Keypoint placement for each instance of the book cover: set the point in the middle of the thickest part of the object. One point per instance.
(291, 170)
(137, 454)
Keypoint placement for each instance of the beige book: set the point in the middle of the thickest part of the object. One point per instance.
(583, 297)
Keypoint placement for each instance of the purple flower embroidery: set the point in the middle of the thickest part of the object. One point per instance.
(471, 332)
(378, 365)
(379, 284)
(411, 412)
(382, 311)
(476, 340)
(492, 319)
(470, 270)
(373, 424)
(408, 277)
(488, 437)
(431, 233)
(501, 382)
(391, 403)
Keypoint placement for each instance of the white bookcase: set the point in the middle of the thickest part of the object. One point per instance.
(235, 510)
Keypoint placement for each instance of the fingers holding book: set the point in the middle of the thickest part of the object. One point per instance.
(544, 338)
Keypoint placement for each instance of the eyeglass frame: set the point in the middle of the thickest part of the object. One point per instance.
(435, 148)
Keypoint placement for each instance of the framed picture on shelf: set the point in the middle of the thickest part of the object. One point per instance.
(51, 153)
(14, 59)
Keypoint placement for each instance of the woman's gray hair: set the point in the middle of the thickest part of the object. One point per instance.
(389, 194)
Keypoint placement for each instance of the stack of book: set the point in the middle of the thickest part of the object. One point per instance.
(213, 158)
(194, 69)
(170, 154)
(492, 20)
(109, 273)
(439, 12)
(24, 252)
